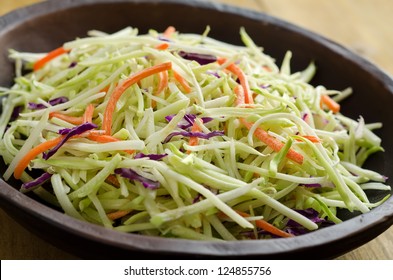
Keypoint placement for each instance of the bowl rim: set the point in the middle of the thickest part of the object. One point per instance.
(381, 217)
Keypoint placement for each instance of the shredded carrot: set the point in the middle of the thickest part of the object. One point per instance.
(24, 162)
(118, 214)
(113, 180)
(119, 90)
(267, 68)
(261, 134)
(153, 104)
(51, 55)
(313, 139)
(169, 31)
(194, 140)
(162, 85)
(30, 155)
(105, 89)
(102, 138)
(96, 132)
(272, 142)
(262, 224)
(242, 78)
(240, 98)
(182, 81)
(162, 46)
(330, 103)
(105, 139)
(67, 118)
(88, 115)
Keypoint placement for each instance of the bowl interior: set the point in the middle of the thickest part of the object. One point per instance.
(45, 26)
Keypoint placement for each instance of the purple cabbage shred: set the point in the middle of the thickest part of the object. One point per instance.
(69, 132)
(196, 198)
(188, 120)
(295, 228)
(264, 86)
(132, 175)
(315, 185)
(193, 134)
(15, 113)
(36, 182)
(73, 64)
(163, 38)
(202, 59)
(214, 73)
(150, 156)
(52, 102)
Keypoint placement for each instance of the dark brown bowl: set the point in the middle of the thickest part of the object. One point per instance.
(44, 26)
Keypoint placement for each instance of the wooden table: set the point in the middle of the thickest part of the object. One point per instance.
(361, 25)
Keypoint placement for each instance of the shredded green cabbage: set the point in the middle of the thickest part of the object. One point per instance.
(215, 189)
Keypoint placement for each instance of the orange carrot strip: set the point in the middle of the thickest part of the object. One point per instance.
(242, 78)
(24, 162)
(262, 224)
(330, 103)
(240, 97)
(162, 46)
(313, 139)
(105, 139)
(194, 140)
(163, 84)
(169, 31)
(272, 142)
(118, 214)
(113, 180)
(105, 89)
(51, 55)
(70, 119)
(261, 134)
(102, 138)
(119, 90)
(88, 115)
(182, 81)
(153, 104)
(30, 155)
(267, 68)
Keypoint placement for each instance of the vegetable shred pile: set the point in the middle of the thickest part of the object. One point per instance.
(180, 135)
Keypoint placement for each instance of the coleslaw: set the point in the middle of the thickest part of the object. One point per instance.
(180, 135)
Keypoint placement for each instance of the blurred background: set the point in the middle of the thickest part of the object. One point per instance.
(363, 26)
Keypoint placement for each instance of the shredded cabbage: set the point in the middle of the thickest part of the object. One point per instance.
(184, 158)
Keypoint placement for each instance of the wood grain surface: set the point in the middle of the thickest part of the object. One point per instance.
(364, 26)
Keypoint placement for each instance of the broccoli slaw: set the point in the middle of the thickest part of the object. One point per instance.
(180, 135)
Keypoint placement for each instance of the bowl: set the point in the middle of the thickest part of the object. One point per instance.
(48, 24)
